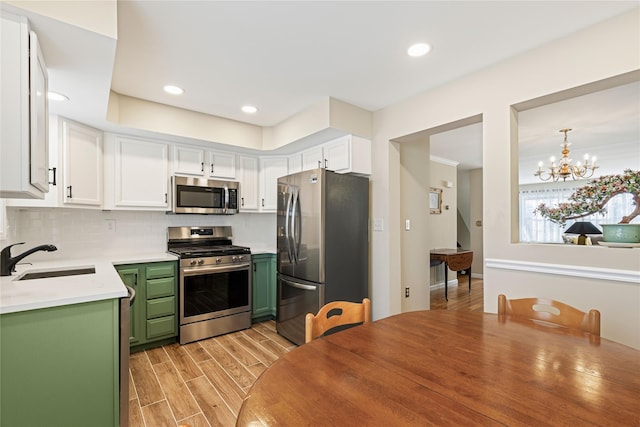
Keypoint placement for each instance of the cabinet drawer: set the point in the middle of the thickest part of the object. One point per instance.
(157, 288)
(161, 270)
(161, 307)
(163, 326)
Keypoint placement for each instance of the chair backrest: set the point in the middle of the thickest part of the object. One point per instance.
(551, 311)
(336, 313)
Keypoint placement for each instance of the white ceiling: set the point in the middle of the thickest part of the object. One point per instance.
(285, 56)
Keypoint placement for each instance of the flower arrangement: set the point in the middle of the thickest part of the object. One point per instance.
(593, 197)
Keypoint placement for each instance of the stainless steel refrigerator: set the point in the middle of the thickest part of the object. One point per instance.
(323, 245)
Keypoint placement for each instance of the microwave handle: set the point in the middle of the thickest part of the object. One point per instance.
(226, 199)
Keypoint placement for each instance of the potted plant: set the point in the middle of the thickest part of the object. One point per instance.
(593, 197)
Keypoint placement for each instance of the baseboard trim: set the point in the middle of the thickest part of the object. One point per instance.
(451, 283)
(610, 274)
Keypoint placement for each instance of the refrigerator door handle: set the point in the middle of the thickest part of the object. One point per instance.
(300, 285)
(294, 231)
(287, 226)
(298, 232)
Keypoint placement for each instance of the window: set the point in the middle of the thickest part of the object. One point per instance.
(535, 228)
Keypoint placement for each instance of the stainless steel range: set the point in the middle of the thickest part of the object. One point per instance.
(215, 281)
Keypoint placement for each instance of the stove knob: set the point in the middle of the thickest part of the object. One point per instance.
(200, 261)
(234, 258)
(218, 260)
(193, 262)
(241, 258)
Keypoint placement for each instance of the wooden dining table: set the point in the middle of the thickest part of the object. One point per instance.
(452, 368)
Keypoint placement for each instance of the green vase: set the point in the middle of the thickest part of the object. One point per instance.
(621, 233)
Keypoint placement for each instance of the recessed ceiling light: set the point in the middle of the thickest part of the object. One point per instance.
(54, 96)
(249, 109)
(173, 90)
(418, 49)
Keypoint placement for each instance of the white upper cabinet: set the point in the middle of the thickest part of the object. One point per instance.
(271, 168)
(200, 162)
(295, 163)
(222, 165)
(348, 153)
(313, 158)
(82, 164)
(136, 173)
(248, 177)
(24, 169)
(188, 160)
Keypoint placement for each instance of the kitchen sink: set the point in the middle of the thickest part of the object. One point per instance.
(57, 273)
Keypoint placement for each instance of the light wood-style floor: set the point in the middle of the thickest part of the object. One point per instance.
(459, 296)
(203, 383)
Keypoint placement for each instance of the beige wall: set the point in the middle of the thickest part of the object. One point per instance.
(414, 188)
(475, 230)
(603, 51)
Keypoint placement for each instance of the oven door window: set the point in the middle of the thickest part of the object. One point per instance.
(216, 294)
(199, 197)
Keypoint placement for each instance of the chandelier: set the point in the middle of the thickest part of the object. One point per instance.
(565, 168)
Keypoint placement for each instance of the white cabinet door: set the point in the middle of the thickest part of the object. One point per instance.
(222, 165)
(39, 117)
(295, 163)
(82, 154)
(271, 168)
(188, 160)
(141, 174)
(337, 154)
(248, 174)
(23, 132)
(312, 158)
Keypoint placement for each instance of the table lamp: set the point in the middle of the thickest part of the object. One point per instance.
(582, 228)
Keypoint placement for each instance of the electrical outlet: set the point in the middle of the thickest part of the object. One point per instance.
(406, 292)
(110, 225)
(378, 224)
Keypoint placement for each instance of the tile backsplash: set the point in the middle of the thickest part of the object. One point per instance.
(82, 233)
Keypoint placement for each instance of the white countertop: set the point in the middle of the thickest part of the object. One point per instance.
(22, 295)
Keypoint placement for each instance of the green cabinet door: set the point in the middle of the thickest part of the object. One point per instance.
(273, 286)
(264, 280)
(154, 313)
(130, 276)
(60, 366)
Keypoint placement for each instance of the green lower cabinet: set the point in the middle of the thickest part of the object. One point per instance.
(154, 313)
(264, 287)
(60, 366)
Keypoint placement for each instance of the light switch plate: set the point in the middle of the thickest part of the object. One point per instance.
(407, 224)
(378, 224)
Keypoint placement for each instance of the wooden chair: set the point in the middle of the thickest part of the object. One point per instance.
(337, 313)
(551, 311)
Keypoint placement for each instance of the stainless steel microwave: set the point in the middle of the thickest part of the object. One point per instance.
(193, 195)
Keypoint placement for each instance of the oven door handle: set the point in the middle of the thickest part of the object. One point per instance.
(198, 271)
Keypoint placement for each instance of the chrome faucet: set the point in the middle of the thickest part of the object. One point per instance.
(8, 264)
